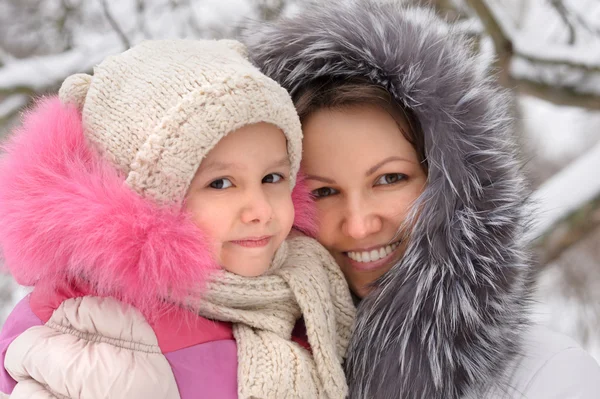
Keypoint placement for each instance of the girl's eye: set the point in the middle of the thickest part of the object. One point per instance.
(272, 178)
(323, 192)
(220, 184)
(390, 178)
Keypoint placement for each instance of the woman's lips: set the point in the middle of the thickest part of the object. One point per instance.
(253, 242)
(361, 260)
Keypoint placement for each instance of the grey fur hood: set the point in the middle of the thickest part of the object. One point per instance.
(447, 319)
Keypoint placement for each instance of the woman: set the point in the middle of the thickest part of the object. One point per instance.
(408, 150)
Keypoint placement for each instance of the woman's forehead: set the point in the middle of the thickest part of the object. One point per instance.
(365, 131)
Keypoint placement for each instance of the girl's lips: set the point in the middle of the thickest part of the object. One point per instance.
(370, 266)
(253, 242)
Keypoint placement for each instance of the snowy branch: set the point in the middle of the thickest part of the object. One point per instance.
(563, 13)
(568, 206)
(113, 23)
(11, 105)
(37, 75)
(569, 231)
(563, 96)
(526, 68)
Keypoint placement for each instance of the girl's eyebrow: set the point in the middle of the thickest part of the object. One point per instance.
(285, 161)
(217, 166)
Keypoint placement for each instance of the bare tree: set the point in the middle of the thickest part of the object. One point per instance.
(562, 80)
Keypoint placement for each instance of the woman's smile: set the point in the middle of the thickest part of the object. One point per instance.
(372, 258)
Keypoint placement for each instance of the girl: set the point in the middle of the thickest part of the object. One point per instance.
(409, 151)
(169, 167)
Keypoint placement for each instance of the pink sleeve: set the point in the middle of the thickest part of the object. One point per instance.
(20, 319)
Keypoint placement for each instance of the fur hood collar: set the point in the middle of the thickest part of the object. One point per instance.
(446, 320)
(66, 213)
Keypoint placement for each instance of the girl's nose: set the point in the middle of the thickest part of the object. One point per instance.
(258, 209)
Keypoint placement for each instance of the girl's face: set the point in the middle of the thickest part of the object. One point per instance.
(366, 176)
(240, 196)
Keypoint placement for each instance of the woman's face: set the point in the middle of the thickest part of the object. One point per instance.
(366, 176)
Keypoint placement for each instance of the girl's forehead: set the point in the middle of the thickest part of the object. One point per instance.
(250, 145)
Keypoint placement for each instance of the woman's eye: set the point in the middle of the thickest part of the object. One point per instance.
(390, 178)
(220, 184)
(323, 192)
(272, 178)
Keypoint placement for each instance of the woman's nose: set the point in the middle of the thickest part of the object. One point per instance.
(361, 220)
(257, 208)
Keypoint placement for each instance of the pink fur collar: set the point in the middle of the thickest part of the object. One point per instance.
(66, 213)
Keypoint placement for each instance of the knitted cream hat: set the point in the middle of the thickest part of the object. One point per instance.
(156, 110)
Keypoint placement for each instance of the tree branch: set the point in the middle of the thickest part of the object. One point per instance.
(568, 232)
(563, 13)
(141, 19)
(17, 90)
(555, 62)
(114, 24)
(585, 24)
(556, 95)
(567, 206)
(506, 53)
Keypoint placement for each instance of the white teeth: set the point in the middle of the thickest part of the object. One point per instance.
(366, 257)
(371, 256)
(374, 254)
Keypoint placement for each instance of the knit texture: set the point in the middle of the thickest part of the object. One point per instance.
(156, 110)
(304, 280)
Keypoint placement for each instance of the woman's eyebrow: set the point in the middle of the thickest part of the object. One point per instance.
(378, 165)
(319, 178)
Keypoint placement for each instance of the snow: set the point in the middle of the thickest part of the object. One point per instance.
(232, 11)
(94, 39)
(567, 294)
(559, 134)
(572, 187)
(40, 73)
(545, 55)
(575, 55)
(12, 104)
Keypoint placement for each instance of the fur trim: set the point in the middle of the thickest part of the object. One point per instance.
(305, 218)
(65, 214)
(448, 317)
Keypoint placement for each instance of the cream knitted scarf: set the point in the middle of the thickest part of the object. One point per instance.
(304, 280)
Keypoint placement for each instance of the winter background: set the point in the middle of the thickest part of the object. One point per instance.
(546, 52)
